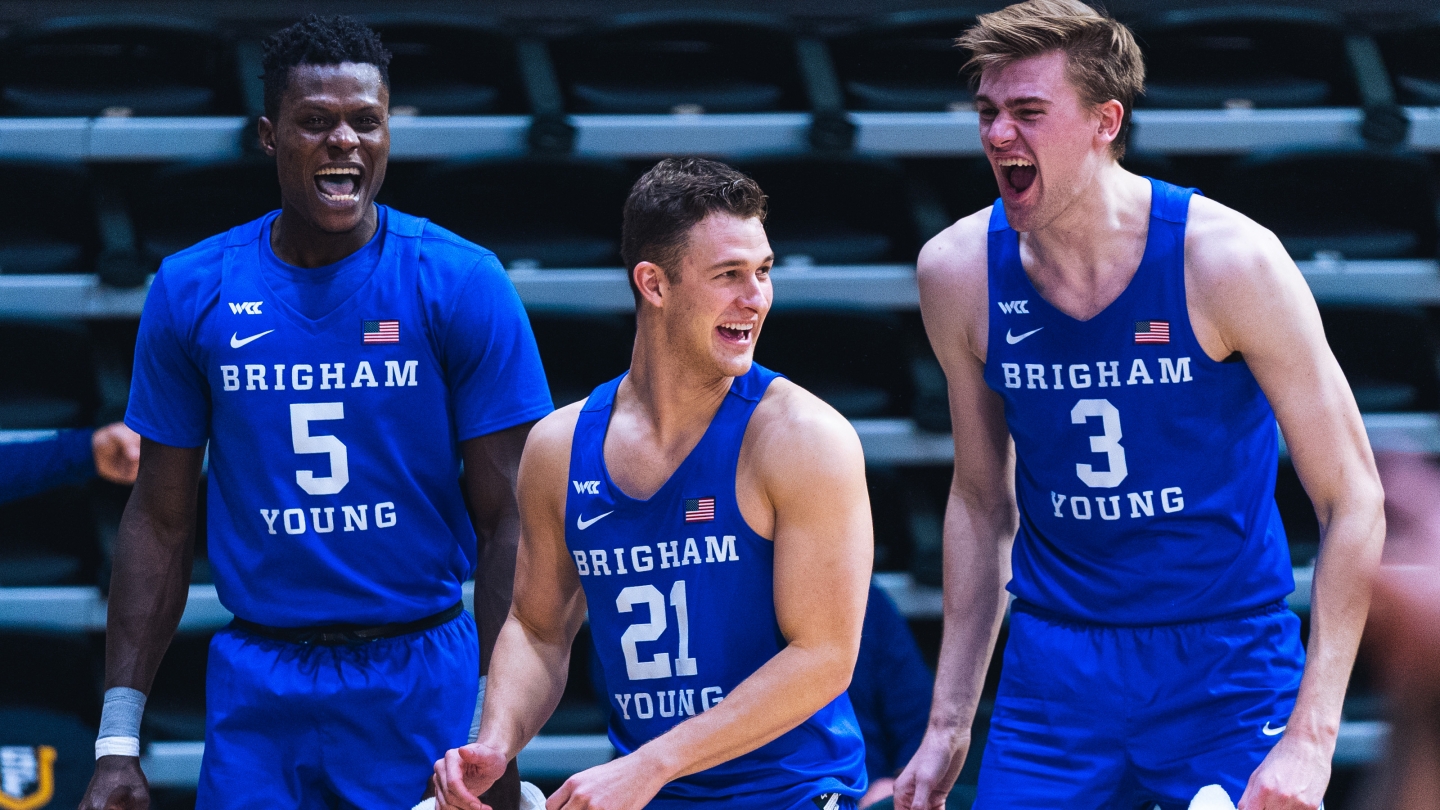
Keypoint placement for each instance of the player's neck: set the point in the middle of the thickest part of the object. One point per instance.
(1101, 233)
(673, 396)
(300, 244)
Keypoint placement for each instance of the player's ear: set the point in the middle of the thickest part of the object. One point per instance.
(1110, 115)
(266, 131)
(650, 280)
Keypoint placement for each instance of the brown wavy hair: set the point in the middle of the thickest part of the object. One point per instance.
(1104, 59)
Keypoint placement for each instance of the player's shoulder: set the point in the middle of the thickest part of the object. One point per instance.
(450, 251)
(549, 441)
(791, 425)
(958, 253)
(190, 278)
(1224, 248)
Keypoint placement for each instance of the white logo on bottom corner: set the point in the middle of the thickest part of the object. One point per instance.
(1013, 339)
(582, 524)
(236, 341)
(1271, 732)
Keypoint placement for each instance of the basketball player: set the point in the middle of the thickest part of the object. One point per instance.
(1118, 351)
(341, 359)
(713, 519)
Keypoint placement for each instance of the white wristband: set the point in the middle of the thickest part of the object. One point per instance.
(117, 747)
(428, 804)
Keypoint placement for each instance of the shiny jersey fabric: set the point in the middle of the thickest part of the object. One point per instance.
(682, 612)
(335, 462)
(1145, 471)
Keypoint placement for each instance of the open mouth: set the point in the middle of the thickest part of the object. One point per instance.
(1018, 172)
(338, 184)
(735, 332)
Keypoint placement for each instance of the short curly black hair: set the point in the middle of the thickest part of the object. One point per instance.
(318, 40)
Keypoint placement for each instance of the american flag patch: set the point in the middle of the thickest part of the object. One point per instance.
(699, 510)
(381, 331)
(1152, 331)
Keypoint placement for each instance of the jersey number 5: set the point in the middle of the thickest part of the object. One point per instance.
(659, 665)
(301, 415)
(1107, 443)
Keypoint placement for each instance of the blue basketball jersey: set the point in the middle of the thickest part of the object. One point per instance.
(682, 609)
(1144, 470)
(333, 442)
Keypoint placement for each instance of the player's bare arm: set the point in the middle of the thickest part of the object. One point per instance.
(1246, 295)
(153, 555)
(546, 613)
(802, 484)
(980, 516)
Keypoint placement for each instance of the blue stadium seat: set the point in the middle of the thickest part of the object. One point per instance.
(118, 65)
(683, 61)
(449, 66)
(1245, 56)
(40, 740)
(531, 212)
(905, 62)
(47, 221)
(1410, 54)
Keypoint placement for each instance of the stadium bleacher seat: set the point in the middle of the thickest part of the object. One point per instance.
(1388, 355)
(182, 204)
(845, 357)
(117, 65)
(825, 211)
(681, 62)
(581, 351)
(1343, 204)
(532, 213)
(1245, 56)
(905, 62)
(48, 539)
(1409, 52)
(46, 377)
(176, 706)
(449, 66)
(48, 219)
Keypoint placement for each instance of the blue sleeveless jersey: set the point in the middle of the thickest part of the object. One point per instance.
(682, 609)
(334, 459)
(1144, 470)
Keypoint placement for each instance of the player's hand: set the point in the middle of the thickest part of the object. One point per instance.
(932, 772)
(1293, 776)
(465, 773)
(627, 783)
(117, 453)
(117, 784)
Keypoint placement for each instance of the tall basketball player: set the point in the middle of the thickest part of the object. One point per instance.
(1118, 351)
(713, 519)
(341, 359)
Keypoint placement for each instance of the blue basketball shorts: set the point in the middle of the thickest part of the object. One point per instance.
(1125, 718)
(315, 726)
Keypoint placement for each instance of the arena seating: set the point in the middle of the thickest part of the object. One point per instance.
(125, 138)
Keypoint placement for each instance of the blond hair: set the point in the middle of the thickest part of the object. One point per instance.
(1104, 61)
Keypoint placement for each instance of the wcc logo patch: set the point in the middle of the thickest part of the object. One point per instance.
(27, 776)
(246, 307)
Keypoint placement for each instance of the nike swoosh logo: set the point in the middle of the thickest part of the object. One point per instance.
(1271, 732)
(582, 524)
(236, 342)
(1013, 339)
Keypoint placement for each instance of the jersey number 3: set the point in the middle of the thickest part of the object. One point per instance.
(1107, 443)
